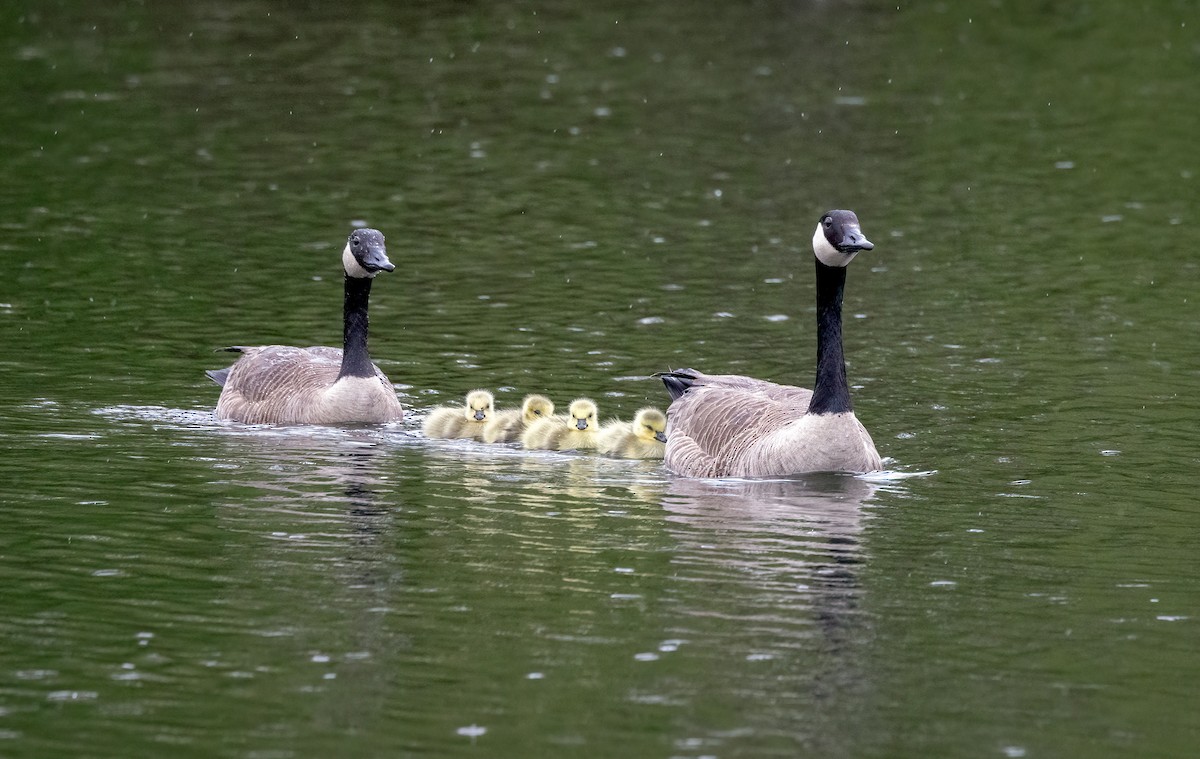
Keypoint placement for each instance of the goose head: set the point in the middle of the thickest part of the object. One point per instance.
(365, 255)
(479, 406)
(583, 414)
(838, 238)
(536, 407)
(650, 424)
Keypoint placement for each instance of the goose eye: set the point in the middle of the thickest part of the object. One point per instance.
(829, 221)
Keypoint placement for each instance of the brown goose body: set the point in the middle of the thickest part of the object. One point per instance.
(282, 384)
(735, 426)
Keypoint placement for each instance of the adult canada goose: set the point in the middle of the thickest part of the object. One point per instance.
(576, 430)
(508, 425)
(643, 438)
(732, 426)
(466, 421)
(281, 384)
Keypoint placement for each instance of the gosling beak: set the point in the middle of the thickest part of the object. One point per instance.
(376, 259)
(581, 424)
(660, 437)
(480, 415)
(854, 240)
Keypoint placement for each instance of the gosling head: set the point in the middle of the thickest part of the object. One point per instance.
(480, 405)
(365, 255)
(650, 424)
(583, 414)
(536, 407)
(838, 238)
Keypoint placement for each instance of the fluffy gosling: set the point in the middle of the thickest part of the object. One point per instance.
(643, 438)
(577, 430)
(466, 421)
(507, 426)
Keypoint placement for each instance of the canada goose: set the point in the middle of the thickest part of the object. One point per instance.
(576, 430)
(466, 421)
(643, 438)
(727, 425)
(508, 425)
(280, 384)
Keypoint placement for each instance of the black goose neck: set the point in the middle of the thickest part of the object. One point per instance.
(356, 362)
(831, 393)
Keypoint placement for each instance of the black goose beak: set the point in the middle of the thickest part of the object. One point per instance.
(660, 437)
(376, 259)
(480, 415)
(854, 241)
(581, 424)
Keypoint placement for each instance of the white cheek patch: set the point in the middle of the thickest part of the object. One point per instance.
(352, 266)
(826, 253)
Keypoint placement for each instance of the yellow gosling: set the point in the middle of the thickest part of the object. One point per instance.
(577, 430)
(643, 438)
(507, 426)
(466, 421)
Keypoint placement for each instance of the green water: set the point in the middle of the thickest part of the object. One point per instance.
(577, 195)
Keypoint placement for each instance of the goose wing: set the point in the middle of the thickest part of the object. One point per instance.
(263, 371)
(718, 417)
(276, 383)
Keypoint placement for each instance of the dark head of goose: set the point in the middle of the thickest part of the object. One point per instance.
(838, 238)
(365, 254)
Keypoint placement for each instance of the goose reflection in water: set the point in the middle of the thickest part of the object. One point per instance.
(313, 563)
(777, 566)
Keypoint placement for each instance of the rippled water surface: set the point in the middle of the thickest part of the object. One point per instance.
(578, 195)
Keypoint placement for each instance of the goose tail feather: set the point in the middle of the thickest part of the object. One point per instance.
(219, 375)
(678, 382)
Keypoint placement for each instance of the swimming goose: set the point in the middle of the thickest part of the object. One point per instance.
(576, 430)
(643, 438)
(733, 426)
(466, 421)
(281, 384)
(508, 425)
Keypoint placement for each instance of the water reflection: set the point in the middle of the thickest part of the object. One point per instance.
(772, 576)
(796, 541)
(317, 563)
